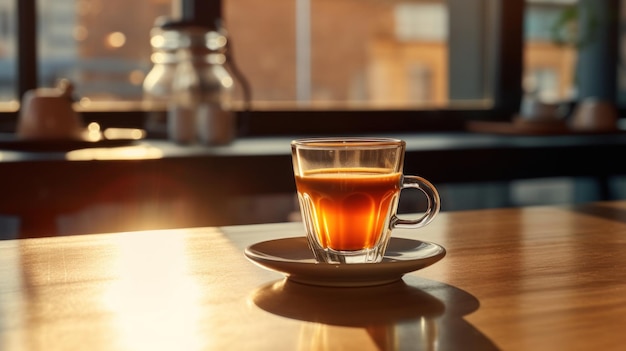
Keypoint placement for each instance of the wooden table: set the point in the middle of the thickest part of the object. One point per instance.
(537, 278)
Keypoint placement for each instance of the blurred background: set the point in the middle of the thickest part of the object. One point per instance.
(350, 56)
(385, 53)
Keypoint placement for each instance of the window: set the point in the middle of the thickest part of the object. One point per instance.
(7, 54)
(337, 65)
(324, 53)
(102, 46)
(573, 50)
(550, 50)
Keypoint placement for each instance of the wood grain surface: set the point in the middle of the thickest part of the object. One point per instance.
(536, 278)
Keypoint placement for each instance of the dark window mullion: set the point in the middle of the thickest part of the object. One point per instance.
(486, 40)
(26, 46)
(204, 12)
(508, 56)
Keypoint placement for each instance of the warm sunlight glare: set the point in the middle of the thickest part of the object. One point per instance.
(124, 133)
(138, 152)
(227, 82)
(157, 41)
(156, 302)
(116, 40)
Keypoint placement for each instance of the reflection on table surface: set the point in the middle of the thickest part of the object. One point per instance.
(513, 279)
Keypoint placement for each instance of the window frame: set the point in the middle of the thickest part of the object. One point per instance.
(503, 83)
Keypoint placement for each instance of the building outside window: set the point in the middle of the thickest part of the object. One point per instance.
(308, 54)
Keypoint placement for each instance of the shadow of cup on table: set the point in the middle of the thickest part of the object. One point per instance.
(393, 316)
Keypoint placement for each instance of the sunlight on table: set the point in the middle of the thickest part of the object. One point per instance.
(156, 301)
(137, 152)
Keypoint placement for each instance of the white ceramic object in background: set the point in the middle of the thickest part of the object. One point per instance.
(47, 113)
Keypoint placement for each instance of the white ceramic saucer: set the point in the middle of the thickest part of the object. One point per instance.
(293, 258)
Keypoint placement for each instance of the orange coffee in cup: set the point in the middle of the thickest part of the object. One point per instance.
(350, 208)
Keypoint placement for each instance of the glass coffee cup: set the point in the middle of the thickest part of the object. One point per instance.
(348, 190)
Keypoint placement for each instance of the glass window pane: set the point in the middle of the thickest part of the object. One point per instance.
(8, 51)
(343, 52)
(310, 52)
(550, 52)
(102, 46)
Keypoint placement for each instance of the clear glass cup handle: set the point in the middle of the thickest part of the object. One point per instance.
(429, 190)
